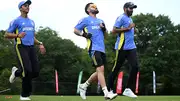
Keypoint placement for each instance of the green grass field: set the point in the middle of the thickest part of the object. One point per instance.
(90, 98)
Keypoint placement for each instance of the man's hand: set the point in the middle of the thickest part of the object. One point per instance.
(42, 49)
(136, 30)
(132, 25)
(21, 35)
(103, 27)
(87, 35)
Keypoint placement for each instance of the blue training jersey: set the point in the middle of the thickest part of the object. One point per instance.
(26, 25)
(92, 25)
(125, 39)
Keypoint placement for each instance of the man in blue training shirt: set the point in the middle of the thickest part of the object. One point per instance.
(125, 49)
(94, 30)
(22, 29)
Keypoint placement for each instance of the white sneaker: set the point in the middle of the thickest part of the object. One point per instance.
(112, 92)
(13, 77)
(110, 96)
(24, 98)
(129, 93)
(82, 91)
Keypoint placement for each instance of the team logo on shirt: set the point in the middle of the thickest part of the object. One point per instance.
(28, 29)
(95, 27)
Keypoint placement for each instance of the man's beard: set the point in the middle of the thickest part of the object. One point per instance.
(129, 13)
(94, 11)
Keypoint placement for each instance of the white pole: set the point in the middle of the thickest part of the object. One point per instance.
(5, 90)
(154, 82)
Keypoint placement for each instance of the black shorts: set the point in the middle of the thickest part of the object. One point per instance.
(98, 58)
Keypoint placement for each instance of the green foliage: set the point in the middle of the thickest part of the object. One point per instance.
(158, 47)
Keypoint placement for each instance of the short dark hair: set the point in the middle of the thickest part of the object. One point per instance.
(129, 5)
(86, 7)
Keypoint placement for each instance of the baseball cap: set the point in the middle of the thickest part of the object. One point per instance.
(24, 2)
(129, 5)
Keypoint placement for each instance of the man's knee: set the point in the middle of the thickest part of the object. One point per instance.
(100, 68)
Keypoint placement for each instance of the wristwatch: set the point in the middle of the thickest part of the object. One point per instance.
(17, 36)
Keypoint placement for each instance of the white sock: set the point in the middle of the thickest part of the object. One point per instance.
(105, 90)
(86, 84)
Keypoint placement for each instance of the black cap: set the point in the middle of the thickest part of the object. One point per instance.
(24, 2)
(129, 5)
